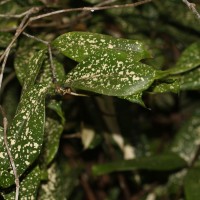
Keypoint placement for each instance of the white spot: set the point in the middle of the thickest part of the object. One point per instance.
(1, 155)
(110, 46)
(27, 163)
(12, 142)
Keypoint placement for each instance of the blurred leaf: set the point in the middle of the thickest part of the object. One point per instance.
(187, 140)
(191, 184)
(191, 80)
(28, 186)
(111, 73)
(5, 39)
(79, 45)
(61, 182)
(53, 131)
(162, 162)
(29, 2)
(168, 85)
(56, 106)
(25, 135)
(175, 182)
(188, 60)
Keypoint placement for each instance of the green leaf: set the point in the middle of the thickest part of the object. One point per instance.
(53, 130)
(187, 140)
(46, 72)
(79, 45)
(111, 73)
(33, 69)
(5, 39)
(25, 135)
(56, 106)
(162, 162)
(188, 60)
(191, 184)
(135, 98)
(28, 186)
(24, 59)
(168, 85)
(191, 80)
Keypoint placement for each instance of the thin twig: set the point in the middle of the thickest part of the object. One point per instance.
(54, 79)
(24, 23)
(3, 67)
(192, 7)
(92, 9)
(5, 125)
(5, 1)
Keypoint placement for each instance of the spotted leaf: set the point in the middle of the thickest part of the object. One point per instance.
(111, 73)
(79, 45)
(135, 98)
(26, 60)
(189, 59)
(28, 186)
(25, 135)
(34, 68)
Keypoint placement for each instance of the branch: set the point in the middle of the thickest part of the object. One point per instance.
(5, 125)
(192, 7)
(92, 9)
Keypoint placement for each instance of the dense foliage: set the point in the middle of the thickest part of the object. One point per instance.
(100, 104)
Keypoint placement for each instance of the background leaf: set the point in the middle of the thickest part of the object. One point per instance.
(188, 60)
(162, 162)
(191, 184)
(187, 140)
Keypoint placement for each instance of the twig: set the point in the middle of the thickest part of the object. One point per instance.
(5, 125)
(92, 9)
(5, 1)
(50, 54)
(192, 7)
(3, 67)
(24, 23)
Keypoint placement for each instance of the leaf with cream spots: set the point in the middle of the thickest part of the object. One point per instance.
(25, 135)
(28, 186)
(24, 59)
(111, 73)
(135, 98)
(79, 45)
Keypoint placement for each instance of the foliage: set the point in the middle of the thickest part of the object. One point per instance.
(105, 111)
